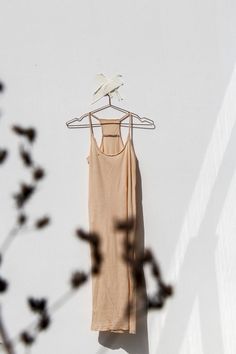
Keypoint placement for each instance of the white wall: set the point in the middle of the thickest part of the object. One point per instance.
(177, 59)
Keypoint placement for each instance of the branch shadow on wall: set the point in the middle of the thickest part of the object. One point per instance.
(132, 343)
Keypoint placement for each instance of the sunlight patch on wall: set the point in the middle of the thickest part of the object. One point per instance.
(207, 176)
(195, 214)
(225, 261)
(192, 343)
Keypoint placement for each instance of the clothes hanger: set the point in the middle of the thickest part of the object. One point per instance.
(149, 122)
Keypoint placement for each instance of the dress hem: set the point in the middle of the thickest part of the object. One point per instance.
(113, 330)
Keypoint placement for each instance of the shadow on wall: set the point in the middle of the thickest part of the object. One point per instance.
(194, 265)
(132, 343)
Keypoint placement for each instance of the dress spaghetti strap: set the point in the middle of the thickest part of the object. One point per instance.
(90, 124)
(130, 124)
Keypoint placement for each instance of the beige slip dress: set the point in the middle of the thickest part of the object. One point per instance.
(112, 196)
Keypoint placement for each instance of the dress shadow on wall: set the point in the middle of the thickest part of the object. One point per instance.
(132, 343)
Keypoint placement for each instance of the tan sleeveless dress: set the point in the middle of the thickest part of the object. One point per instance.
(112, 196)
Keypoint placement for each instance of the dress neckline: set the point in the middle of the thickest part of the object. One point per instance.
(128, 139)
(111, 155)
